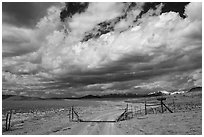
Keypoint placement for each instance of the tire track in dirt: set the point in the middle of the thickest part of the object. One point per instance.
(110, 128)
(95, 128)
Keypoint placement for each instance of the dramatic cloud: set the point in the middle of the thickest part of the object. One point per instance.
(17, 41)
(94, 14)
(139, 51)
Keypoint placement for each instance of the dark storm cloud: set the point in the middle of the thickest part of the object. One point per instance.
(122, 65)
(72, 8)
(24, 14)
(142, 72)
(168, 6)
(137, 67)
(176, 7)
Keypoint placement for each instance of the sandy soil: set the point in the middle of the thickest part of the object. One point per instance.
(57, 122)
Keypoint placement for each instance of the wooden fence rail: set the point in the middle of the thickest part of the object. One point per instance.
(150, 105)
(162, 104)
(129, 111)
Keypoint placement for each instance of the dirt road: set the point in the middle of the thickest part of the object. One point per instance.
(100, 124)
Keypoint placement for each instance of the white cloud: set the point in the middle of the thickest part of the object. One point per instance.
(21, 80)
(127, 22)
(49, 23)
(154, 85)
(8, 92)
(99, 86)
(96, 13)
(169, 32)
(23, 93)
(194, 11)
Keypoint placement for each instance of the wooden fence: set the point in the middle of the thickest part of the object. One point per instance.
(8, 120)
(162, 104)
(73, 115)
(129, 113)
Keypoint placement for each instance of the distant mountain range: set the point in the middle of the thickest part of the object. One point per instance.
(195, 89)
(127, 95)
(6, 96)
(15, 97)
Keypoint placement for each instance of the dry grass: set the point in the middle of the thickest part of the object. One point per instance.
(43, 105)
(186, 119)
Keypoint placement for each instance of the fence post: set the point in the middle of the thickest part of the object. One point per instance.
(145, 108)
(69, 113)
(72, 113)
(126, 111)
(7, 116)
(162, 109)
(9, 120)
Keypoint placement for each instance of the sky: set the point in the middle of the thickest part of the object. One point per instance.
(77, 49)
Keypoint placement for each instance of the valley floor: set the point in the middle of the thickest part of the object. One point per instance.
(187, 122)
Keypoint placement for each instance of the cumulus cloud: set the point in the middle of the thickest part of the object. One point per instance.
(193, 11)
(156, 36)
(49, 23)
(155, 45)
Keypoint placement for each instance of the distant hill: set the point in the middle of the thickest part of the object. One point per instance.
(195, 89)
(15, 97)
(6, 96)
(129, 95)
(89, 97)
